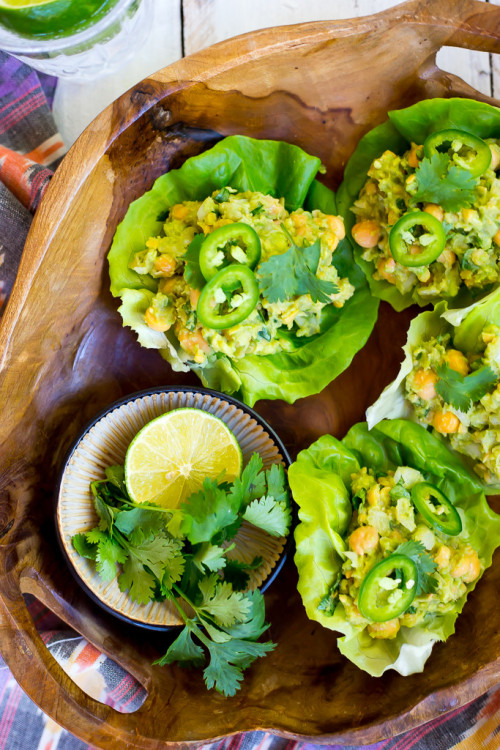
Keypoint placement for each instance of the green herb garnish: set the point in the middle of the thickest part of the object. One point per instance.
(438, 182)
(181, 555)
(293, 273)
(462, 391)
(424, 563)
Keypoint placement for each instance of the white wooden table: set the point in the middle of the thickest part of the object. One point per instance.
(181, 27)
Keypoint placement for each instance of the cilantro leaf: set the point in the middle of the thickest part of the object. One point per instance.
(184, 651)
(438, 182)
(269, 515)
(192, 270)
(156, 553)
(210, 557)
(139, 524)
(227, 662)
(207, 512)
(116, 475)
(461, 392)
(251, 484)
(103, 510)
(424, 562)
(275, 478)
(236, 572)
(293, 273)
(84, 547)
(137, 580)
(221, 602)
(255, 624)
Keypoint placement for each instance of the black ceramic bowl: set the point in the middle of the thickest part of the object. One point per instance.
(104, 443)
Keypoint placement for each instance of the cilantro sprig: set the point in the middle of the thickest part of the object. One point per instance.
(461, 391)
(181, 555)
(293, 273)
(426, 584)
(441, 182)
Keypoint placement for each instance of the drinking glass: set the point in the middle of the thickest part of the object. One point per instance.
(105, 34)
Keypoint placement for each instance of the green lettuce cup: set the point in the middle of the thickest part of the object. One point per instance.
(336, 485)
(449, 382)
(273, 168)
(380, 183)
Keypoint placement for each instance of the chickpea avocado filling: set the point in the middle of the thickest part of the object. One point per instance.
(393, 534)
(458, 394)
(404, 557)
(238, 272)
(428, 221)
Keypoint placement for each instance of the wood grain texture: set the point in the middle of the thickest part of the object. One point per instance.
(206, 23)
(65, 356)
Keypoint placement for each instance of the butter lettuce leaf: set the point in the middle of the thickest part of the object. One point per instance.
(465, 326)
(272, 167)
(412, 124)
(319, 536)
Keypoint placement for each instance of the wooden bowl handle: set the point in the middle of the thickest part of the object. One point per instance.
(477, 25)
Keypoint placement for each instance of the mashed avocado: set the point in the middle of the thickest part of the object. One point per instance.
(266, 330)
(387, 522)
(475, 431)
(471, 255)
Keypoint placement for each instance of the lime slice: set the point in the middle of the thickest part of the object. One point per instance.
(23, 4)
(171, 456)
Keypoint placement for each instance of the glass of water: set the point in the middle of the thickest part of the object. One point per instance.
(81, 39)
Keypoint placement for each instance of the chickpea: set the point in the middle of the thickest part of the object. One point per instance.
(442, 556)
(363, 539)
(153, 322)
(468, 214)
(447, 258)
(166, 286)
(373, 495)
(424, 382)
(413, 155)
(337, 226)
(468, 567)
(457, 361)
(179, 211)
(386, 268)
(367, 233)
(194, 296)
(192, 341)
(165, 265)
(446, 422)
(434, 209)
(387, 629)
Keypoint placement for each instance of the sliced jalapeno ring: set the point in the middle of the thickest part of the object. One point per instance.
(435, 507)
(215, 310)
(417, 239)
(470, 152)
(235, 243)
(380, 603)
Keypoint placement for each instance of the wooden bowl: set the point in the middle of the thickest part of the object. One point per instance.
(65, 356)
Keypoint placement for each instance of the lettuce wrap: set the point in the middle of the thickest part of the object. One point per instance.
(278, 169)
(464, 327)
(320, 481)
(404, 127)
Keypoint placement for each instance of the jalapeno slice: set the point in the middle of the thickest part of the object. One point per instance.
(379, 601)
(436, 508)
(470, 152)
(228, 298)
(417, 239)
(230, 244)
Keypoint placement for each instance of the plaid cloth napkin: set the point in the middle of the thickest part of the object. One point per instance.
(30, 148)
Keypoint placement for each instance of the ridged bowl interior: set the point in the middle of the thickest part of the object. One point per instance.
(105, 444)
